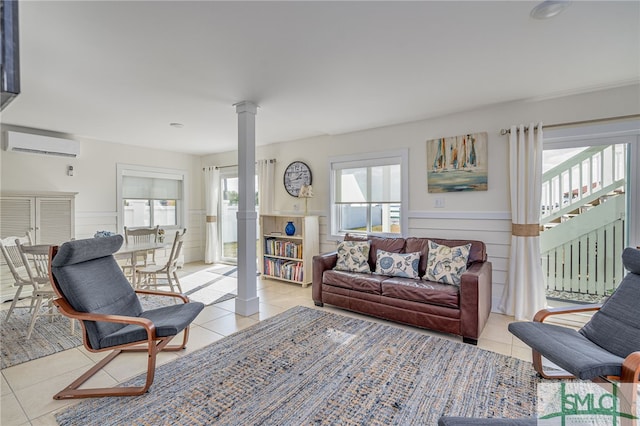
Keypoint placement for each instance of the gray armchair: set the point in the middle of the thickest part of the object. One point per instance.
(606, 348)
(92, 288)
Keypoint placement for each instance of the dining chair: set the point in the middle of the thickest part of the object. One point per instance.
(36, 261)
(13, 259)
(147, 276)
(141, 235)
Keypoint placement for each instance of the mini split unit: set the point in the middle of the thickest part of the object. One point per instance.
(38, 144)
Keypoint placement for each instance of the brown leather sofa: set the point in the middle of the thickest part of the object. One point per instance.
(462, 310)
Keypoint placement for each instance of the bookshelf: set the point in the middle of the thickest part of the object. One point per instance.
(289, 258)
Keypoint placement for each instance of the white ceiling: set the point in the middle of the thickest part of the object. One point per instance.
(121, 71)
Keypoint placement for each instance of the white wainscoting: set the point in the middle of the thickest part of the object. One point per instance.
(492, 228)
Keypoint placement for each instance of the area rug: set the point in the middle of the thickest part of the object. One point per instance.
(48, 337)
(309, 366)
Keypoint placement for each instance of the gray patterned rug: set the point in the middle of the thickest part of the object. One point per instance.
(48, 336)
(309, 366)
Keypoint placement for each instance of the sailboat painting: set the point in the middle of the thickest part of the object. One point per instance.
(457, 163)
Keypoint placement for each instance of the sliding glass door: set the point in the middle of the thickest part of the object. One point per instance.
(588, 214)
(228, 205)
(228, 209)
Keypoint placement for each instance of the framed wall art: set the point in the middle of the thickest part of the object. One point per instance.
(457, 163)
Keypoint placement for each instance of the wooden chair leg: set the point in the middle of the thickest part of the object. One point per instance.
(34, 316)
(13, 302)
(175, 276)
(170, 282)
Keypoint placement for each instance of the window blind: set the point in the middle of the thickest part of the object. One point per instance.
(151, 188)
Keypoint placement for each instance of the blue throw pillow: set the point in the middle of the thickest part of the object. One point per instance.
(397, 264)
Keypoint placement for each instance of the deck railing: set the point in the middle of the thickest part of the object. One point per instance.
(583, 213)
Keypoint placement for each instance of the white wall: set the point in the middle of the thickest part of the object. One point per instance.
(481, 215)
(94, 180)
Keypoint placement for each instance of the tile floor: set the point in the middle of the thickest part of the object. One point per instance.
(27, 388)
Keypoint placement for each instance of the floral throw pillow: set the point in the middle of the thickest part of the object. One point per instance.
(353, 256)
(397, 264)
(446, 264)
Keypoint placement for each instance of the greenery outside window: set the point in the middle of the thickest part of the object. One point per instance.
(367, 194)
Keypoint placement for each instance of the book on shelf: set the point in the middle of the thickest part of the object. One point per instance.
(288, 269)
(282, 248)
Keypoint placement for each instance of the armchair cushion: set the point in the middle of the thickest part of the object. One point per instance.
(616, 326)
(568, 349)
(168, 320)
(82, 268)
(88, 249)
(631, 260)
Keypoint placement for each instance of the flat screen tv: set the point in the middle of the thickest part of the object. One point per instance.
(10, 65)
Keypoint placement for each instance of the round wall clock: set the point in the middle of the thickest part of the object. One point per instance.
(296, 175)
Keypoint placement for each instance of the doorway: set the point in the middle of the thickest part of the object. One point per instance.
(588, 214)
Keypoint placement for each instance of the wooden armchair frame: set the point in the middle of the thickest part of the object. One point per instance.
(152, 345)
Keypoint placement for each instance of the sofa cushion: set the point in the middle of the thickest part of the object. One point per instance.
(446, 264)
(422, 291)
(478, 252)
(368, 283)
(392, 245)
(397, 264)
(353, 256)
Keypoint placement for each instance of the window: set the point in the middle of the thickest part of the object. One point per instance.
(150, 196)
(368, 193)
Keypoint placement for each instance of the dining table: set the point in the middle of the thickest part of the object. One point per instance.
(134, 249)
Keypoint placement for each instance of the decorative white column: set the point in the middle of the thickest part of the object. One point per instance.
(247, 302)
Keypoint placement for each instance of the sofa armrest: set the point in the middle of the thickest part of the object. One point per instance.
(475, 299)
(321, 263)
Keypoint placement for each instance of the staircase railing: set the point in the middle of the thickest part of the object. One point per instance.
(583, 208)
(581, 180)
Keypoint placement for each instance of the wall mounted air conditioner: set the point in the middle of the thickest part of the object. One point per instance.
(38, 144)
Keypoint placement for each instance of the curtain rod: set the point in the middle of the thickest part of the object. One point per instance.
(271, 160)
(575, 123)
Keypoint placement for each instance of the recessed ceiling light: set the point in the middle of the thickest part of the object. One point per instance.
(549, 8)
(176, 125)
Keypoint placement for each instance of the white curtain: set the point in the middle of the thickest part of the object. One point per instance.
(524, 292)
(266, 171)
(211, 197)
